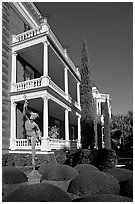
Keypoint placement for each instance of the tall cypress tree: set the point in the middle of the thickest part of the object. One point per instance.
(107, 138)
(87, 125)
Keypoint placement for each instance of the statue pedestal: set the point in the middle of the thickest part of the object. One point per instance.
(34, 177)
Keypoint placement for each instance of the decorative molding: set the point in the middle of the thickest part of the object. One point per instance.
(25, 14)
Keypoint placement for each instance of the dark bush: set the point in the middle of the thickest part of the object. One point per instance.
(104, 198)
(60, 156)
(57, 172)
(85, 167)
(125, 178)
(38, 193)
(12, 175)
(21, 160)
(93, 182)
(106, 159)
(103, 159)
(121, 174)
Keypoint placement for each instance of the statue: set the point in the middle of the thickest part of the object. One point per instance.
(32, 130)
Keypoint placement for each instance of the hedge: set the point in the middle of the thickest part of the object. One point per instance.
(57, 172)
(93, 182)
(21, 160)
(38, 193)
(104, 198)
(125, 178)
(85, 167)
(12, 175)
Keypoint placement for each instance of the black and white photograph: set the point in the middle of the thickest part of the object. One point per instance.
(67, 101)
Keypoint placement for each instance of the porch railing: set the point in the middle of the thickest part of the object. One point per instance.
(23, 144)
(29, 84)
(57, 143)
(38, 83)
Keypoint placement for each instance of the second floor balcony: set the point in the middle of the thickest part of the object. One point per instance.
(37, 64)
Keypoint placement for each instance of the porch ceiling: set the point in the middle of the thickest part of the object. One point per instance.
(34, 56)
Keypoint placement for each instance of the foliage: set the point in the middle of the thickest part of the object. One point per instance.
(38, 193)
(107, 139)
(87, 128)
(103, 159)
(125, 178)
(22, 160)
(122, 129)
(53, 132)
(93, 182)
(104, 198)
(57, 172)
(12, 175)
(85, 167)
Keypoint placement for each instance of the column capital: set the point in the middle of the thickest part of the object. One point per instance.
(45, 42)
(78, 115)
(13, 104)
(14, 53)
(45, 97)
(67, 110)
(78, 82)
(66, 67)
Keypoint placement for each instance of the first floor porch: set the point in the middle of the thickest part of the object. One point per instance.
(58, 122)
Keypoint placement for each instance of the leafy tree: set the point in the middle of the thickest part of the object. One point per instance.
(107, 139)
(122, 129)
(87, 125)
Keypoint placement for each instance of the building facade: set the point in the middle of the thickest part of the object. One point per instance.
(38, 69)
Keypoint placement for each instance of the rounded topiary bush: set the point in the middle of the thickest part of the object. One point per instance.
(104, 198)
(12, 175)
(57, 172)
(85, 167)
(125, 178)
(93, 182)
(121, 174)
(38, 193)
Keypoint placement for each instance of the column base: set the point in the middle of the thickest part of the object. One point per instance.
(79, 145)
(12, 144)
(45, 145)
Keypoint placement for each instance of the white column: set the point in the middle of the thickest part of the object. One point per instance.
(45, 146)
(79, 131)
(45, 59)
(67, 127)
(13, 126)
(66, 79)
(13, 72)
(78, 93)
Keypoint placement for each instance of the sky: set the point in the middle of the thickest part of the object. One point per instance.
(107, 28)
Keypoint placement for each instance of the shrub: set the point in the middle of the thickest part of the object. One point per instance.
(93, 182)
(125, 178)
(103, 159)
(12, 175)
(85, 167)
(21, 160)
(104, 198)
(60, 156)
(121, 174)
(106, 159)
(57, 172)
(38, 193)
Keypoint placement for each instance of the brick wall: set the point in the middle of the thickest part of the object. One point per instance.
(11, 24)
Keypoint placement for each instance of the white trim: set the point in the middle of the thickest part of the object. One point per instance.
(25, 14)
(58, 101)
(29, 152)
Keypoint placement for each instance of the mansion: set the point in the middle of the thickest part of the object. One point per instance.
(37, 68)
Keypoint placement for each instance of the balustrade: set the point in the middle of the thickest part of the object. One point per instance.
(26, 35)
